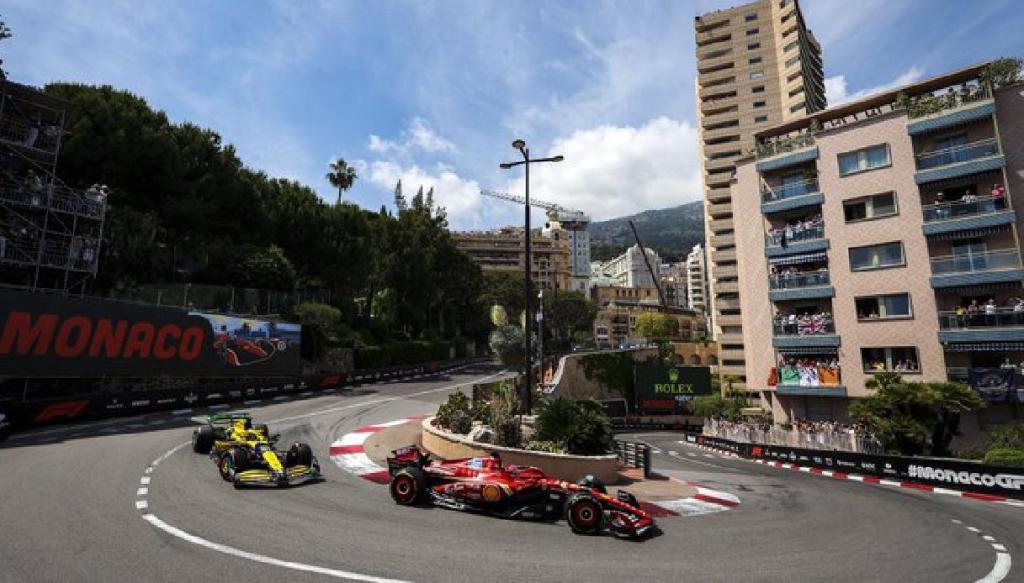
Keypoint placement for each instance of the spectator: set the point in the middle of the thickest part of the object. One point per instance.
(33, 130)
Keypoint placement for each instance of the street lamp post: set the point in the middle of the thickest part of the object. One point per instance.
(526, 161)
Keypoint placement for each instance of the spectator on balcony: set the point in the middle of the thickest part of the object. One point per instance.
(941, 205)
(34, 184)
(1007, 364)
(93, 193)
(969, 197)
(998, 196)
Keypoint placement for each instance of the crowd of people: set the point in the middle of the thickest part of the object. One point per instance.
(797, 276)
(793, 324)
(850, 436)
(968, 202)
(989, 313)
(796, 230)
(805, 372)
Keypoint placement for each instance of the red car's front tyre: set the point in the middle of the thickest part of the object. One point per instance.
(407, 486)
(584, 514)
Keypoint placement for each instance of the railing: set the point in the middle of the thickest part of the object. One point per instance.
(782, 145)
(634, 455)
(926, 105)
(798, 280)
(985, 318)
(793, 236)
(993, 260)
(953, 210)
(790, 190)
(840, 439)
(42, 137)
(956, 154)
(807, 327)
(61, 198)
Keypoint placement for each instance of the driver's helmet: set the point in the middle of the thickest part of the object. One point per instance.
(589, 481)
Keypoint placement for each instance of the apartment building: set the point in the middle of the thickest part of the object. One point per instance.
(630, 269)
(619, 307)
(696, 280)
(504, 250)
(882, 235)
(757, 66)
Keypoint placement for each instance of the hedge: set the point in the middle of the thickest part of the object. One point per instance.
(1005, 456)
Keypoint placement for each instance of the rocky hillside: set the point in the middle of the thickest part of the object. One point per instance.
(672, 232)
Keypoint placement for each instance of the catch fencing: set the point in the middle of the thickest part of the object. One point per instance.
(829, 439)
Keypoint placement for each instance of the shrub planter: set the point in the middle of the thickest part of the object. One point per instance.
(559, 465)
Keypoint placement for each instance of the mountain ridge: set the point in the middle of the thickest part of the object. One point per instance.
(671, 231)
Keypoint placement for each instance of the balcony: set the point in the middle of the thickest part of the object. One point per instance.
(727, 287)
(784, 152)
(986, 211)
(801, 286)
(719, 256)
(803, 241)
(791, 196)
(930, 113)
(992, 267)
(998, 325)
(806, 333)
(980, 156)
(809, 391)
(725, 240)
(723, 195)
(721, 209)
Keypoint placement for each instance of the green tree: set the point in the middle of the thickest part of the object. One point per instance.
(565, 314)
(914, 418)
(1002, 72)
(657, 327)
(266, 269)
(342, 176)
(717, 406)
(579, 425)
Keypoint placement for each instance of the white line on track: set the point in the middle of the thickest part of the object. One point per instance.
(142, 491)
(1001, 568)
(221, 548)
(336, 573)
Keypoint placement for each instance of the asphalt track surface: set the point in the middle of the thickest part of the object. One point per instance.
(68, 513)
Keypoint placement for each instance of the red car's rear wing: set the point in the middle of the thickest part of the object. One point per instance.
(405, 457)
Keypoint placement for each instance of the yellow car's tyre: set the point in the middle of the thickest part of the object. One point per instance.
(202, 439)
(233, 462)
(300, 454)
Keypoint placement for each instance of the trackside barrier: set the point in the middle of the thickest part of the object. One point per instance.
(137, 400)
(976, 478)
(634, 455)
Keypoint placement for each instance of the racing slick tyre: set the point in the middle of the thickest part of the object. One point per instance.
(202, 439)
(263, 427)
(407, 486)
(233, 462)
(300, 454)
(584, 513)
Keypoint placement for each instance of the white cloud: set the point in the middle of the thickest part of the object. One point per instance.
(459, 195)
(837, 93)
(611, 171)
(418, 136)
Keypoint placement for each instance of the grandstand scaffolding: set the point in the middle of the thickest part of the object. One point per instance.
(50, 233)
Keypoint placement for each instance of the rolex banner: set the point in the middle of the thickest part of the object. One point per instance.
(667, 390)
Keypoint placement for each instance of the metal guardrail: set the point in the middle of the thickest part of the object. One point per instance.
(634, 455)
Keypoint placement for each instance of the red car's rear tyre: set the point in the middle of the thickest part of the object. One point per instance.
(407, 486)
(584, 514)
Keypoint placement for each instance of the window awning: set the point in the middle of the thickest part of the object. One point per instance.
(792, 259)
(983, 347)
(804, 350)
(969, 233)
(965, 180)
(982, 287)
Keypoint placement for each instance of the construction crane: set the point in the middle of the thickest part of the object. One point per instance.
(574, 222)
(647, 261)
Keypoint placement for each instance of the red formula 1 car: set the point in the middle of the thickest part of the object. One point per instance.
(482, 484)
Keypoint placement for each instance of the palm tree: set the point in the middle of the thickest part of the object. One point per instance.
(341, 176)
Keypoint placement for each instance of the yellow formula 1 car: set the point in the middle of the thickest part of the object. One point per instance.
(245, 453)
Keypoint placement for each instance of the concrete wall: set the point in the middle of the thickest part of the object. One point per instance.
(572, 381)
(566, 467)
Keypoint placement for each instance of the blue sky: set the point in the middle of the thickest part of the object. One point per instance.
(434, 92)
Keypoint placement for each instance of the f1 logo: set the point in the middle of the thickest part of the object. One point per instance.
(61, 409)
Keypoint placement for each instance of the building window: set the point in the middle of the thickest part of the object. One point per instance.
(797, 107)
(875, 206)
(865, 159)
(754, 61)
(758, 89)
(896, 358)
(885, 307)
(756, 74)
(752, 31)
(760, 118)
(750, 17)
(759, 104)
(793, 61)
(876, 256)
(753, 46)
(791, 46)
